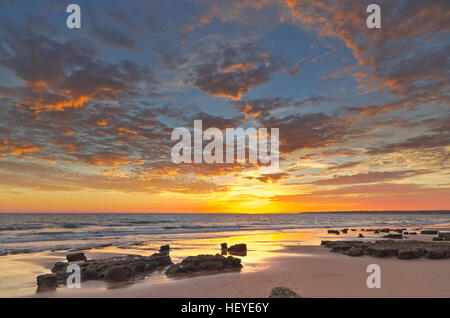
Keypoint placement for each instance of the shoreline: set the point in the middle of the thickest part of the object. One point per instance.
(291, 259)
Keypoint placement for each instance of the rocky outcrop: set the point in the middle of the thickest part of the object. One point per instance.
(204, 264)
(409, 253)
(355, 251)
(394, 236)
(444, 236)
(283, 292)
(164, 249)
(76, 257)
(116, 269)
(429, 232)
(386, 248)
(238, 249)
(333, 232)
(47, 282)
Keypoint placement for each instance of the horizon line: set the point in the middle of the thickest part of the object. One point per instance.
(253, 213)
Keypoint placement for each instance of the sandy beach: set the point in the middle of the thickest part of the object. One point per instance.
(294, 260)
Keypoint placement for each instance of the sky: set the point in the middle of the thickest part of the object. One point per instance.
(87, 114)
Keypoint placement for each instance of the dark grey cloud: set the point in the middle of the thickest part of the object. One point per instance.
(232, 71)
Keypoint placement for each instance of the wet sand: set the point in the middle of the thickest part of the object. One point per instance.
(292, 259)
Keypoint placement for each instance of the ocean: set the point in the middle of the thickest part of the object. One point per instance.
(32, 232)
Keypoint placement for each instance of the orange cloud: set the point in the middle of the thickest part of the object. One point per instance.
(17, 149)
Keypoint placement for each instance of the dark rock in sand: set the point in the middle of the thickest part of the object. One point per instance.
(445, 236)
(59, 267)
(76, 257)
(376, 232)
(344, 231)
(353, 230)
(409, 253)
(333, 232)
(393, 236)
(361, 236)
(116, 269)
(238, 249)
(385, 248)
(119, 273)
(412, 233)
(438, 252)
(204, 264)
(164, 249)
(429, 232)
(224, 246)
(355, 251)
(47, 282)
(385, 230)
(381, 251)
(283, 292)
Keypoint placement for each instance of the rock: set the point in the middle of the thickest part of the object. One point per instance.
(362, 230)
(333, 232)
(409, 253)
(412, 233)
(120, 273)
(353, 230)
(76, 257)
(342, 246)
(393, 236)
(47, 282)
(283, 292)
(344, 231)
(385, 230)
(355, 251)
(164, 249)
(403, 249)
(116, 269)
(204, 264)
(445, 236)
(381, 251)
(361, 236)
(224, 246)
(437, 253)
(59, 267)
(429, 232)
(376, 232)
(437, 239)
(238, 249)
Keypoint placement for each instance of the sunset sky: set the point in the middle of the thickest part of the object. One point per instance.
(86, 115)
